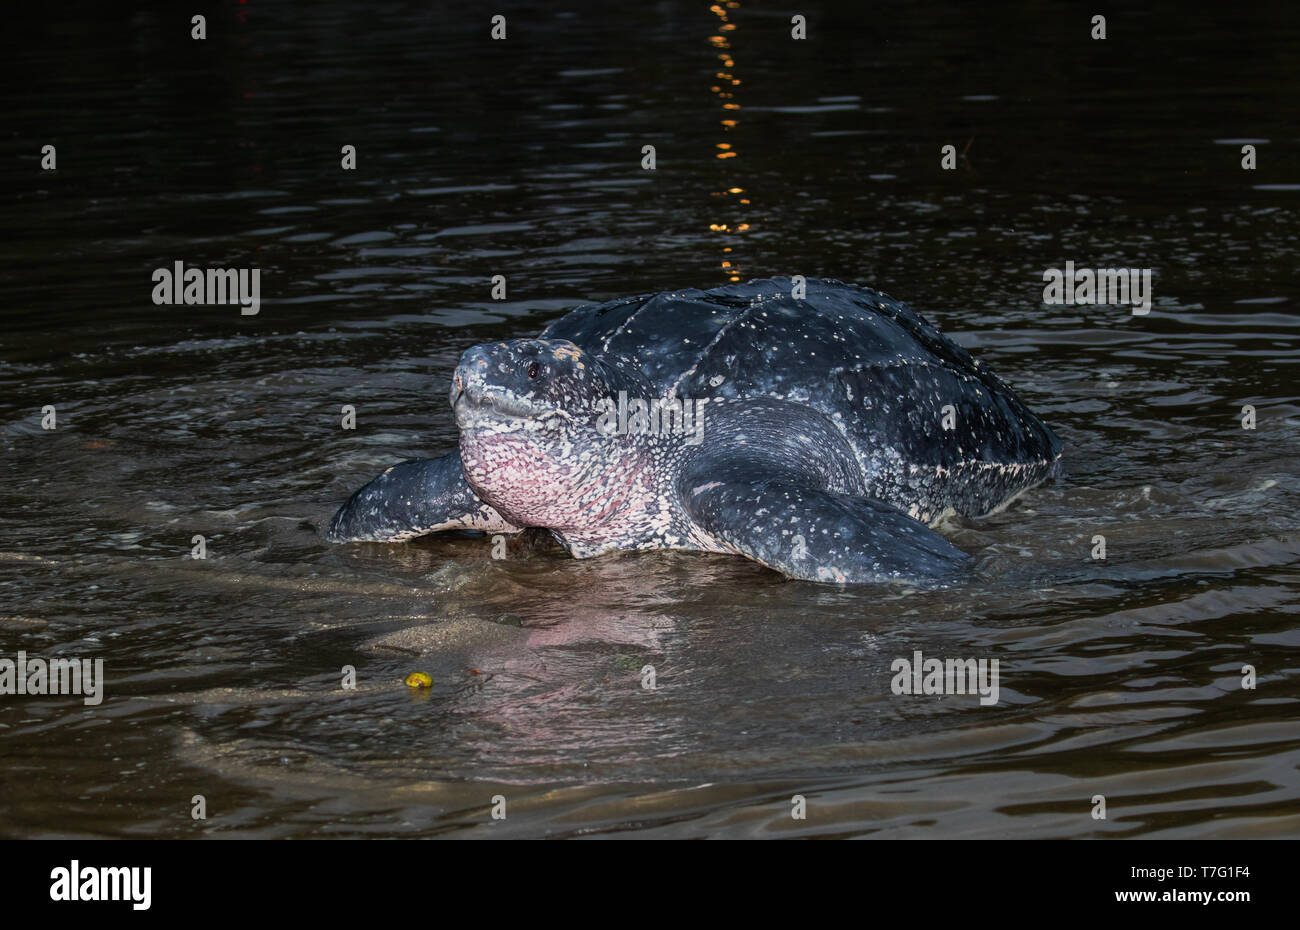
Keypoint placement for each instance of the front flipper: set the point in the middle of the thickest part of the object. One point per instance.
(818, 535)
(414, 498)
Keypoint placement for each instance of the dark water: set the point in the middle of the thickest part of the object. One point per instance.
(522, 158)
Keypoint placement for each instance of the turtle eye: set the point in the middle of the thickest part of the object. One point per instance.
(533, 370)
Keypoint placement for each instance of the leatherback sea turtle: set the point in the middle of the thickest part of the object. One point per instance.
(817, 433)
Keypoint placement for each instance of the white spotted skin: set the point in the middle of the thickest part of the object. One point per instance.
(596, 493)
(483, 518)
(874, 367)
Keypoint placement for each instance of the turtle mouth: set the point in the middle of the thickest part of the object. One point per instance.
(474, 405)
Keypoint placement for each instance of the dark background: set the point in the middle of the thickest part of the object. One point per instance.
(523, 158)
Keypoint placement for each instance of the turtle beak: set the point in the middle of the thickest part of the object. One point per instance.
(467, 382)
(457, 391)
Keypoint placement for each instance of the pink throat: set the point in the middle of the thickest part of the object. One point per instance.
(530, 488)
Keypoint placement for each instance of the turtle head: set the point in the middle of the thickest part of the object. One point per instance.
(528, 412)
(525, 384)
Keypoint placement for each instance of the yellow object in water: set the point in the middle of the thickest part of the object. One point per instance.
(419, 680)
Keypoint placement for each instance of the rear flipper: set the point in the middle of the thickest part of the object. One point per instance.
(414, 498)
(818, 535)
